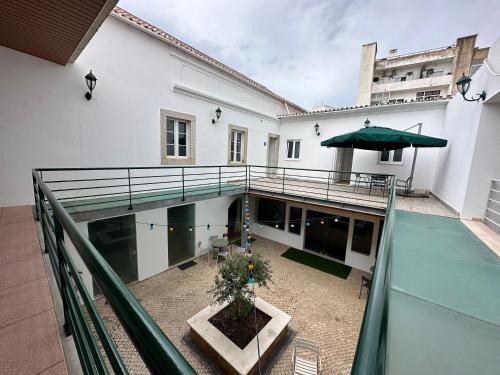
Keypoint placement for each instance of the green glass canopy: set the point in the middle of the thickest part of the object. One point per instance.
(383, 139)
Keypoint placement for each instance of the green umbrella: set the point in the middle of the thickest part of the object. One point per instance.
(382, 139)
(378, 138)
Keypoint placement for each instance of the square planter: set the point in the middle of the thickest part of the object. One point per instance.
(227, 354)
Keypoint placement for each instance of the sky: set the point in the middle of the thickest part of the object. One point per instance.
(309, 51)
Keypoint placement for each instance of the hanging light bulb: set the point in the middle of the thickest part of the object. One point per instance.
(292, 225)
(336, 219)
(227, 227)
(208, 226)
(190, 228)
(322, 222)
(171, 228)
(276, 226)
(151, 227)
(308, 223)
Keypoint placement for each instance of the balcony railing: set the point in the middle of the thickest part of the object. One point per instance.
(60, 192)
(370, 356)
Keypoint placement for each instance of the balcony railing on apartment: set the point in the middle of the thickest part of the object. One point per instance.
(370, 356)
(59, 192)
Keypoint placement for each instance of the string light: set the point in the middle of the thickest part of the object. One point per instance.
(190, 229)
(322, 222)
(171, 228)
(151, 227)
(208, 226)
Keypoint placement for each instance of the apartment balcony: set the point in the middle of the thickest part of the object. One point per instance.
(416, 58)
(413, 84)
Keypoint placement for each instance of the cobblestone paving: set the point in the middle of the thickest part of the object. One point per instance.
(324, 308)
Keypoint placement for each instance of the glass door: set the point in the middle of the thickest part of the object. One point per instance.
(327, 234)
(180, 238)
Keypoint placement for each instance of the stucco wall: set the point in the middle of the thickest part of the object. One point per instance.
(400, 117)
(46, 121)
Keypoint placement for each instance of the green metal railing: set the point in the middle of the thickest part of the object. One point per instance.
(156, 350)
(371, 350)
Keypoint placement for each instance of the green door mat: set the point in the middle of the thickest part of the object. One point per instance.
(320, 263)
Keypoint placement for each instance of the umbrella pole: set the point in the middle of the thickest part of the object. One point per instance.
(414, 158)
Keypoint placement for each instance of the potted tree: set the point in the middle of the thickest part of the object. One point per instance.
(239, 330)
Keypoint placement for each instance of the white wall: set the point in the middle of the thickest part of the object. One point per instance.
(401, 116)
(47, 122)
(465, 168)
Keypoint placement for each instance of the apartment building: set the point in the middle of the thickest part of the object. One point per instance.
(416, 76)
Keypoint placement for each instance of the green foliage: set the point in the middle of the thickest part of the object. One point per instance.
(231, 282)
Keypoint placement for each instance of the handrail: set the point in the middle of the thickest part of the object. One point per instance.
(158, 353)
(371, 349)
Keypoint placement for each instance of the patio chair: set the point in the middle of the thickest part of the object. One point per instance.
(223, 253)
(306, 358)
(405, 184)
(211, 248)
(365, 282)
(360, 181)
(378, 182)
(237, 249)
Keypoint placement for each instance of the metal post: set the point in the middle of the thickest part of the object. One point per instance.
(41, 201)
(129, 191)
(37, 215)
(328, 185)
(414, 158)
(59, 234)
(183, 197)
(249, 175)
(284, 169)
(219, 179)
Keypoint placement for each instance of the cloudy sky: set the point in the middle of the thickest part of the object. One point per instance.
(309, 50)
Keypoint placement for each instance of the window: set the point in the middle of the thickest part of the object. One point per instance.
(403, 79)
(295, 220)
(391, 157)
(177, 137)
(271, 212)
(293, 149)
(428, 94)
(362, 236)
(237, 144)
(395, 101)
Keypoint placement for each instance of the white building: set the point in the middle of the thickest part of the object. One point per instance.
(416, 76)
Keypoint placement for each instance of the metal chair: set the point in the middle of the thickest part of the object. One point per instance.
(306, 358)
(405, 184)
(380, 182)
(211, 248)
(360, 181)
(365, 282)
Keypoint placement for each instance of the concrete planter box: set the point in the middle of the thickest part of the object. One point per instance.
(227, 354)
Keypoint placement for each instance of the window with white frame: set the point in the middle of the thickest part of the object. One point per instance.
(293, 149)
(236, 147)
(177, 138)
(391, 157)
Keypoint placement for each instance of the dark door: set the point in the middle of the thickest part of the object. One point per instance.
(180, 238)
(326, 234)
(234, 220)
(115, 239)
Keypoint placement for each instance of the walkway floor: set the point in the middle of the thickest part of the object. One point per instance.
(29, 337)
(428, 205)
(324, 308)
(444, 306)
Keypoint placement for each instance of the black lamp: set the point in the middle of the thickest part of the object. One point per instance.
(367, 123)
(91, 81)
(218, 112)
(316, 129)
(463, 85)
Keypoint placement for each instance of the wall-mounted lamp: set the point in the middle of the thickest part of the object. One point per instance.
(367, 123)
(91, 81)
(463, 85)
(316, 129)
(218, 112)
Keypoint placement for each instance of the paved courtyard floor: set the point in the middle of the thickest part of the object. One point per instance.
(324, 308)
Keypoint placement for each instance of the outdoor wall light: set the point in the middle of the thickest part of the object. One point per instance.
(218, 112)
(367, 123)
(316, 129)
(91, 81)
(463, 85)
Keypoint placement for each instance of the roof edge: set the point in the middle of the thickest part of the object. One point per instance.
(129, 18)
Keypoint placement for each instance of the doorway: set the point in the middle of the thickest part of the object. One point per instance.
(343, 163)
(234, 220)
(272, 154)
(116, 241)
(327, 234)
(180, 234)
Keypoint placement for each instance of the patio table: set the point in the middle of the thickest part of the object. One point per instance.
(220, 243)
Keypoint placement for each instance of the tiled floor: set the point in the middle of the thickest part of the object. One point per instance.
(323, 307)
(29, 338)
(428, 205)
